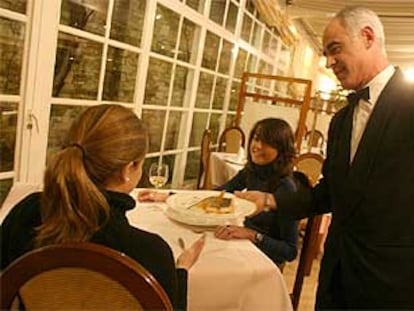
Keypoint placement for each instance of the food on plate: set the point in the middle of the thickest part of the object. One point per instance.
(216, 204)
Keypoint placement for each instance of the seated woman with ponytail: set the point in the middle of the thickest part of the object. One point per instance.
(85, 198)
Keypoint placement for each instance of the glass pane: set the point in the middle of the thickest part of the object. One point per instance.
(173, 129)
(219, 93)
(210, 51)
(144, 182)
(158, 82)
(61, 119)
(251, 63)
(165, 31)
(189, 41)
(273, 47)
(232, 17)
(14, 5)
(128, 20)
(204, 90)
(215, 126)
(5, 186)
(77, 67)
(268, 69)
(225, 57)
(11, 53)
(87, 15)
(192, 166)
(197, 5)
(255, 40)
(250, 6)
(234, 95)
(240, 62)
(8, 126)
(230, 120)
(182, 81)
(217, 9)
(247, 25)
(154, 120)
(197, 129)
(120, 75)
(266, 40)
(261, 68)
(170, 160)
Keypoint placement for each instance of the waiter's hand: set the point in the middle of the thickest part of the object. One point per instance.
(264, 201)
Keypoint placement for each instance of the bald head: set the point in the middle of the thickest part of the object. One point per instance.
(354, 18)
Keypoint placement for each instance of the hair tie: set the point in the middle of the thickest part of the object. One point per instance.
(80, 148)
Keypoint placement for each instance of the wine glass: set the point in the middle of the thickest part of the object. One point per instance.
(158, 174)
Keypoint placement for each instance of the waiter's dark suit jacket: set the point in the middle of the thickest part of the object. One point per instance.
(369, 252)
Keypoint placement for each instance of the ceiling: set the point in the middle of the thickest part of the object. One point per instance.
(396, 15)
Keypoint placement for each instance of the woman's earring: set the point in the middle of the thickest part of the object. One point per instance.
(127, 179)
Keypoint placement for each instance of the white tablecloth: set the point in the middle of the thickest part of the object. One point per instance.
(223, 166)
(229, 275)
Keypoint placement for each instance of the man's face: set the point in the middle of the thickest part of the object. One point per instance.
(346, 55)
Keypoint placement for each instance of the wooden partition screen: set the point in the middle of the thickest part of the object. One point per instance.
(299, 100)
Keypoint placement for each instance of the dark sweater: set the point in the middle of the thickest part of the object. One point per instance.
(17, 234)
(280, 234)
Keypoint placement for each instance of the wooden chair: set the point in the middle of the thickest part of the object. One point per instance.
(204, 181)
(304, 259)
(315, 138)
(231, 139)
(81, 276)
(311, 165)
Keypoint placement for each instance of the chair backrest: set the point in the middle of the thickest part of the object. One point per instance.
(310, 164)
(315, 138)
(80, 276)
(231, 139)
(203, 181)
(306, 257)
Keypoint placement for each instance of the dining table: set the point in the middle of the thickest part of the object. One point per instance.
(224, 166)
(229, 275)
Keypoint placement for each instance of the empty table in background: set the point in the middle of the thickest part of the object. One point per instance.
(223, 167)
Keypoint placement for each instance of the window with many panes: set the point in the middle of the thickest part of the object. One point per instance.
(177, 63)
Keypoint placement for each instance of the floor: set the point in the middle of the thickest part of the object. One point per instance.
(307, 297)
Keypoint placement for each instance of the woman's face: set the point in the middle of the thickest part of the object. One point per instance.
(262, 153)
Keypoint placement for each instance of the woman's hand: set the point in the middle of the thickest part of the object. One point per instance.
(235, 232)
(152, 196)
(189, 256)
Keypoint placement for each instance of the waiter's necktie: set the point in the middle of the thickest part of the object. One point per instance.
(354, 97)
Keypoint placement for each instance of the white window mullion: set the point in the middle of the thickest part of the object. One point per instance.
(143, 62)
(38, 91)
(186, 125)
(105, 50)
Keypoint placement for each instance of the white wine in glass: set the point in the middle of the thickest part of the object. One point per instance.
(158, 174)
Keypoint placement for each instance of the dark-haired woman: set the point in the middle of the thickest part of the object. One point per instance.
(268, 169)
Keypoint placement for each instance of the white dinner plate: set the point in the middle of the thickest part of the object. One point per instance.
(179, 209)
